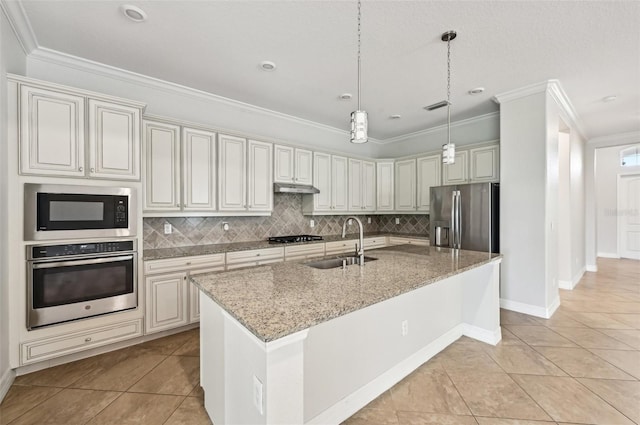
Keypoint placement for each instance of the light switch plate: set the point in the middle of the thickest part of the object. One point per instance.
(167, 228)
(397, 220)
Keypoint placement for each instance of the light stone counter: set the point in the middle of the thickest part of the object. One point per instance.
(277, 300)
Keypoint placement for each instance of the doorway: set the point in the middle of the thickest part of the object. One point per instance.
(629, 216)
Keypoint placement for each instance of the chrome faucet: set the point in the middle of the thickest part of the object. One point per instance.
(360, 246)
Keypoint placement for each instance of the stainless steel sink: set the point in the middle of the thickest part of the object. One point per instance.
(334, 263)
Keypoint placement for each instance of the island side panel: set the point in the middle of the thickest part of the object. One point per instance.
(212, 358)
(481, 303)
(350, 360)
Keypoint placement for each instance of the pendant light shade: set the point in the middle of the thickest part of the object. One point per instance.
(449, 149)
(359, 119)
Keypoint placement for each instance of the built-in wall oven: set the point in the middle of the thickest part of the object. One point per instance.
(55, 212)
(74, 281)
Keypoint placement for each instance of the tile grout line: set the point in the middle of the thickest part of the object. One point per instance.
(36, 405)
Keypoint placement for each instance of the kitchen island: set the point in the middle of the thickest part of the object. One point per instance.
(287, 343)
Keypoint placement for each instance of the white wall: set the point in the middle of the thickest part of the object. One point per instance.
(12, 59)
(578, 207)
(564, 214)
(607, 169)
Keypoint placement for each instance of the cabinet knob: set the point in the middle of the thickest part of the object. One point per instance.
(87, 339)
(188, 263)
(177, 205)
(80, 169)
(93, 170)
(258, 254)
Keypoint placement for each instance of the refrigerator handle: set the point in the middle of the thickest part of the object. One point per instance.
(453, 232)
(459, 218)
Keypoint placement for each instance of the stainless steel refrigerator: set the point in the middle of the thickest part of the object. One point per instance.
(466, 216)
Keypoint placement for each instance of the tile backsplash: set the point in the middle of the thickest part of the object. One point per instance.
(286, 219)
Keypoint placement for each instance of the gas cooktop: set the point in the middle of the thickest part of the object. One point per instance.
(294, 238)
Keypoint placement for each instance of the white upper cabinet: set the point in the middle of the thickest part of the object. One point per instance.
(52, 134)
(199, 170)
(405, 193)
(362, 185)
(114, 140)
(161, 166)
(457, 172)
(339, 179)
(485, 164)
(385, 186)
(429, 175)
(260, 190)
(322, 181)
(292, 165)
(232, 173)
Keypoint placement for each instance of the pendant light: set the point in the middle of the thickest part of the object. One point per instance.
(448, 150)
(359, 120)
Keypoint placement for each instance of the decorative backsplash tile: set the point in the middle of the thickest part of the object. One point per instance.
(286, 219)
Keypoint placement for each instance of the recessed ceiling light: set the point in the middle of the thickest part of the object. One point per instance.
(477, 90)
(609, 98)
(267, 66)
(134, 13)
(395, 116)
(345, 96)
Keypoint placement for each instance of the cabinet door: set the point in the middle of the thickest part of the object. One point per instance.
(405, 192)
(194, 303)
(166, 301)
(283, 164)
(162, 166)
(339, 182)
(355, 185)
(114, 141)
(260, 191)
(322, 181)
(485, 164)
(199, 170)
(368, 186)
(304, 166)
(51, 132)
(232, 171)
(458, 171)
(429, 175)
(385, 187)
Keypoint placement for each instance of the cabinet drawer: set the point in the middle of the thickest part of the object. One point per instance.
(55, 347)
(338, 247)
(184, 263)
(378, 242)
(410, 241)
(254, 255)
(301, 252)
(253, 263)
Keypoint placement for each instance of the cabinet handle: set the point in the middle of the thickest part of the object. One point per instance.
(188, 263)
(258, 254)
(80, 169)
(87, 339)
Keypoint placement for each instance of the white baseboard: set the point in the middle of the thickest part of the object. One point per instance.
(532, 310)
(565, 284)
(349, 405)
(592, 268)
(489, 337)
(578, 276)
(5, 382)
(608, 255)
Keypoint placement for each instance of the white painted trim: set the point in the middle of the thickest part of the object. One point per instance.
(615, 139)
(608, 255)
(557, 92)
(591, 268)
(361, 397)
(483, 335)
(5, 382)
(565, 284)
(522, 92)
(44, 54)
(20, 24)
(454, 124)
(532, 310)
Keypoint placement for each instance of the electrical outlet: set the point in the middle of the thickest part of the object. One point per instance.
(257, 395)
(167, 228)
(405, 327)
(397, 220)
(225, 226)
(369, 220)
(312, 223)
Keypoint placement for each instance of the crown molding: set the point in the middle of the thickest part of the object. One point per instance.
(44, 54)
(616, 139)
(560, 96)
(438, 128)
(521, 92)
(17, 17)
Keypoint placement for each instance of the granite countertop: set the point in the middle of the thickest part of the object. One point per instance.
(276, 300)
(188, 251)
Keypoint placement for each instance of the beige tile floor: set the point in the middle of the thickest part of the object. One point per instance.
(582, 366)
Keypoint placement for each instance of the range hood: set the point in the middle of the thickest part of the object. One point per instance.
(294, 188)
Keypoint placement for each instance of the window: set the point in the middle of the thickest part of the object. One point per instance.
(630, 157)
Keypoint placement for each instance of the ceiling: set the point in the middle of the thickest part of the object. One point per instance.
(592, 47)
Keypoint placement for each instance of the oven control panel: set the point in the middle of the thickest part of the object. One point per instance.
(48, 251)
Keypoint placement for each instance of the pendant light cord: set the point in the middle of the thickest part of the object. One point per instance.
(449, 91)
(359, 13)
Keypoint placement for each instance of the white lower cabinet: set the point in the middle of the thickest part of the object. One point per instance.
(171, 300)
(48, 348)
(396, 240)
(254, 257)
(302, 252)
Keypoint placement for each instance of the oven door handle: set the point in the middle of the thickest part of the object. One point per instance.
(81, 262)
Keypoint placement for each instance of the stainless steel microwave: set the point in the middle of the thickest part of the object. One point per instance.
(77, 212)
